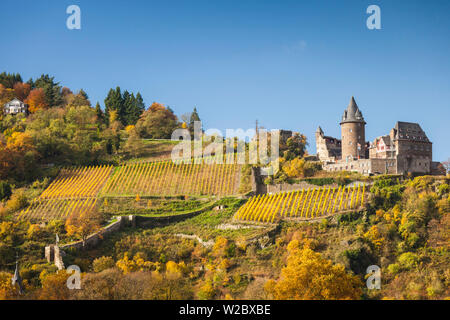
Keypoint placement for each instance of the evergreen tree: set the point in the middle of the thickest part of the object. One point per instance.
(52, 90)
(140, 106)
(114, 101)
(8, 80)
(99, 113)
(194, 117)
(134, 106)
(128, 101)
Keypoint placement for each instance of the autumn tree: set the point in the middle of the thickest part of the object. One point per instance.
(308, 276)
(294, 168)
(52, 89)
(6, 94)
(78, 100)
(36, 100)
(54, 286)
(7, 291)
(22, 90)
(84, 224)
(294, 147)
(18, 157)
(158, 122)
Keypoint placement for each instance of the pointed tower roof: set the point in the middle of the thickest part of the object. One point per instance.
(319, 130)
(352, 113)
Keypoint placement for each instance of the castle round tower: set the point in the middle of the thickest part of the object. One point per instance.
(353, 132)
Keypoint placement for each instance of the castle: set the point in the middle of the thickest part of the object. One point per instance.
(405, 149)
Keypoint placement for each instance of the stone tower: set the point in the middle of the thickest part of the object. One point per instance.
(353, 132)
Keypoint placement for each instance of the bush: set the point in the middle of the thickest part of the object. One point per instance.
(443, 189)
(408, 260)
(386, 193)
(103, 263)
(5, 190)
(394, 268)
(17, 201)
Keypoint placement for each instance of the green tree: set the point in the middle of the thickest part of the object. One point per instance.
(99, 113)
(52, 90)
(114, 102)
(194, 117)
(9, 79)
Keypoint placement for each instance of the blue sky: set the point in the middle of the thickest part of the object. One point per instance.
(289, 64)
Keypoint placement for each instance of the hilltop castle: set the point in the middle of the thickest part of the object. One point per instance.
(405, 149)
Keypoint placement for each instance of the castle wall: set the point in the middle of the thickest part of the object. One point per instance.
(363, 166)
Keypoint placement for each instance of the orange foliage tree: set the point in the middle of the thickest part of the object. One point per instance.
(36, 100)
(22, 90)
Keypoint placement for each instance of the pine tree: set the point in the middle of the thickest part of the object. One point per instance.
(140, 106)
(114, 101)
(99, 112)
(8, 80)
(194, 117)
(52, 90)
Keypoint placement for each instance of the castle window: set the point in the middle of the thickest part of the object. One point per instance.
(351, 130)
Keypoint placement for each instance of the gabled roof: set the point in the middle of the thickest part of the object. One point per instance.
(409, 131)
(14, 100)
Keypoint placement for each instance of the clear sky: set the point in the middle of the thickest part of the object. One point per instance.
(289, 64)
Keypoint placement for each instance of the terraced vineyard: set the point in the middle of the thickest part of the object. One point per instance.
(304, 204)
(167, 178)
(77, 182)
(74, 191)
(59, 209)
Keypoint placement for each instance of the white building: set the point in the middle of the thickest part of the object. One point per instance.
(15, 106)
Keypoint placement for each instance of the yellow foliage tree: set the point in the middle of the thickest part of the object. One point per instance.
(54, 286)
(308, 276)
(294, 168)
(7, 291)
(374, 236)
(138, 263)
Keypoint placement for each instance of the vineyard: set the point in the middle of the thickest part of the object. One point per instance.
(311, 203)
(57, 209)
(169, 178)
(74, 191)
(77, 182)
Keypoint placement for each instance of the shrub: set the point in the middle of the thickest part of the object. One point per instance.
(103, 263)
(394, 268)
(207, 291)
(443, 189)
(408, 260)
(17, 201)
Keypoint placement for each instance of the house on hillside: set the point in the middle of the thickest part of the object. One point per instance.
(15, 106)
